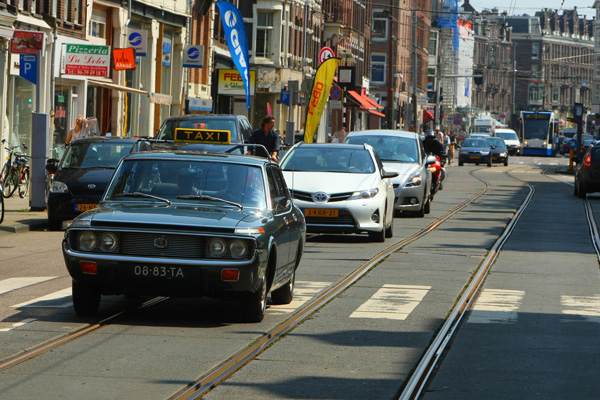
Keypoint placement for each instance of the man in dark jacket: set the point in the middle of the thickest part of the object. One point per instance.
(432, 145)
(268, 137)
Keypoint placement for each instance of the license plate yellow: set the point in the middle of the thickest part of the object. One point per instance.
(321, 212)
(85, 207)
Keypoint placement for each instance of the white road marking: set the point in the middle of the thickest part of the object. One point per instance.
(10, 284)
(392, 302)
(18, 324)
(587, 307)
(496, 306)
(303, 292)
(49, 298)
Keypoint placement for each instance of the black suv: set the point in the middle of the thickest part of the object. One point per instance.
(238, 126)
(587, 171)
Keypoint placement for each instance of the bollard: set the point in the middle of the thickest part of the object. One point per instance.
(571, 155)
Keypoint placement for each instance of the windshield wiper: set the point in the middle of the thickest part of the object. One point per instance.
(207, 197)
(144, 195)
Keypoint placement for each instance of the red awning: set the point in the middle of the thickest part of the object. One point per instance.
(427, 116)
(377, 113)
(372, 102)
(366, 104)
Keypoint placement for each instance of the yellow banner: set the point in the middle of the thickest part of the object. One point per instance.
(318, 97)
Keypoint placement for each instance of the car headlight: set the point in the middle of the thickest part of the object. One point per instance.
(414, 179)
(485, 153)
(217, 247)
(107, 242)
(59, 187)
(238, 248)
(364, 194)
(502, 154)
(86, 240)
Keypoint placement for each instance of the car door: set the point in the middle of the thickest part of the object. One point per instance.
(282, 216)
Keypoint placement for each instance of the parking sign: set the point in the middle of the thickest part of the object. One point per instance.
(28, 68)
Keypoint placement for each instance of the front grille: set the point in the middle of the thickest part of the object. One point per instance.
(306, 196)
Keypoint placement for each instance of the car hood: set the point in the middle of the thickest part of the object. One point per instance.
(83, 177)
(329, 182)
(511, 142)
(182, 216)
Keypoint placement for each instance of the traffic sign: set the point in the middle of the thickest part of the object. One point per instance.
(325, 53)
(572, 143)
(335, 92)
(457, 121)
(28, 68)
(285, 97)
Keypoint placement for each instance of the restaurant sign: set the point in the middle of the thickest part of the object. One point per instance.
(27, 42)
(86, 60)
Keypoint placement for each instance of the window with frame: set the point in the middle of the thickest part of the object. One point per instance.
(535, 51)
(378, 68)
(536, 95)
(433, 43)
(97, 27)
(264, 32)
(379, 29)
(555, 95)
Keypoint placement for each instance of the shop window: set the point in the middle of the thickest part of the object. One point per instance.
(378, 68)
(264, 31)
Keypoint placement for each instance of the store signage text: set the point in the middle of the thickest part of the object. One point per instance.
(87, 60)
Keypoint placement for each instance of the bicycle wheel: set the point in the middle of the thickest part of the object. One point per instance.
(24, 184)
(1, 206)
(10, 183)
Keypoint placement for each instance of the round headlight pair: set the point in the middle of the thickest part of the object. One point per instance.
(217, 247)
(87, 241)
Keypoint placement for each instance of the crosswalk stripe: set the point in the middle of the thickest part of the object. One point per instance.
(10, 284)
(18, 324)
(303, 292)
(392, 302)
(587, 307)
(49, 300)
(496, 306)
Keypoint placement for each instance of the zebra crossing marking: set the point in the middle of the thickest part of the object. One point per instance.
(587, 307)
(496, 306)
(303, 292)
(392, 302)
(10, 284)
(48, 299)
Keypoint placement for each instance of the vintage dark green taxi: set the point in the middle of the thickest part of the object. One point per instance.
(189, 224)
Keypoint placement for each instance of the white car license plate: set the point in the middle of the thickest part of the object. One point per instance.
(158, 271)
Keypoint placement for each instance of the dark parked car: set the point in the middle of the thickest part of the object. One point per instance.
(78, 181)
(236, 126)
(499, 150)
(475, 150)
(587, 172)
(189, 224)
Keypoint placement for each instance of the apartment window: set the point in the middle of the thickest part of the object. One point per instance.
(555, 95)
(433, 43)
(535, 51)
(264, 31)
(378, 68)
(380, 26)
(98, 24)
(536, 95)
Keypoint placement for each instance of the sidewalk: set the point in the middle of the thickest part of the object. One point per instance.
(18, 218)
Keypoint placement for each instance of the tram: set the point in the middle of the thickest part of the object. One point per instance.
(537, 133)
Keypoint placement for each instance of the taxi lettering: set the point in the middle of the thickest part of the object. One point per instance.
(210, 136)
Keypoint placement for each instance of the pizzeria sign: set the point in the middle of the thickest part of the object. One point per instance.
(86, 60)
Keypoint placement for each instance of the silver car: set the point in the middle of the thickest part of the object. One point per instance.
(402, 151)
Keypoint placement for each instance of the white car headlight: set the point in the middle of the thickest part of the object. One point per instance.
(502, 154)
(59, 187)
(414, 179)
(364, 194)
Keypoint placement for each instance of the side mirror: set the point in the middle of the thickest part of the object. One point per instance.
(389, 173)
(282, 203)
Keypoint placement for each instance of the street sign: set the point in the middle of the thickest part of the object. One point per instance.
(572, 143)
(325, 53)
(336, 92)
(28, 68)
(457, 121)
(285, 97)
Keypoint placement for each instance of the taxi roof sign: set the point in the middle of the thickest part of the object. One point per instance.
(208, 136)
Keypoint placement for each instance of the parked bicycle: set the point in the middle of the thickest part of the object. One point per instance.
(1, 203)
(15, 173)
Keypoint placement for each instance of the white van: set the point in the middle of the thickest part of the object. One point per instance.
(485, 125)
(511, 139)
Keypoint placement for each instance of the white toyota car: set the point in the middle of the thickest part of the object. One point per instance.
(341, 188)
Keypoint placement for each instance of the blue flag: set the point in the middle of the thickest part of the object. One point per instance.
(237, 42)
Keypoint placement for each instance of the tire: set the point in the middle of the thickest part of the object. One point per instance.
(427, 207)
(86, 299)
(24, 185)
(421, 212)
(389, 231)
(581, 190)
(10, 183)
(460, 163)
(576, 187)
(285, 294)
(55, 224)
(506, 162)
(377, 236)
(1, 208)
(254, 305)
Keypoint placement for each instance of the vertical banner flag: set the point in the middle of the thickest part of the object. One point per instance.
(318, 96)
(237, 42)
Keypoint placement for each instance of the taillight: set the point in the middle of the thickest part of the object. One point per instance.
(588, 161)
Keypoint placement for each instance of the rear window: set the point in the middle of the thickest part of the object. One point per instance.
(167, 129)
(389, 148)
(507, 135)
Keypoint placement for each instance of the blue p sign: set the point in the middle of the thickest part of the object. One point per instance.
(28, 68)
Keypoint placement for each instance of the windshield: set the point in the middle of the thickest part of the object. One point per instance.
(507, 135)
(167, 130)
(498, 142)
(476, 143)
(182, 181)
(85, 155)
(331, 158)
(390, 148)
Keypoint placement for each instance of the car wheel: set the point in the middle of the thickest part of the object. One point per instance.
(86, 299)
(460, 163)
(581, 190)
(378, 236)
(389, 231)
(576, 187)
(427, 207)
(285, 294)
(506, 162)
(55, 224)
(254, 305)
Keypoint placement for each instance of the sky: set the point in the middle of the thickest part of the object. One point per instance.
(520, 7)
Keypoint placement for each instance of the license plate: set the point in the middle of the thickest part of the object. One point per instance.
(158, 271)
(321, 212)
(85, 207)
(475, 157)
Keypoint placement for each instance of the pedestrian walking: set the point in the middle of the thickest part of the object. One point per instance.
(267, 136)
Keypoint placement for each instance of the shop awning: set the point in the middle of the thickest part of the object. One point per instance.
(363, 101)
(373, 103)
(427, 116)
(376, 113)
(114, 86)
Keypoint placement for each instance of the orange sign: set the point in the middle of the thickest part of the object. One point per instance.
(124, 58)
(26, 42)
